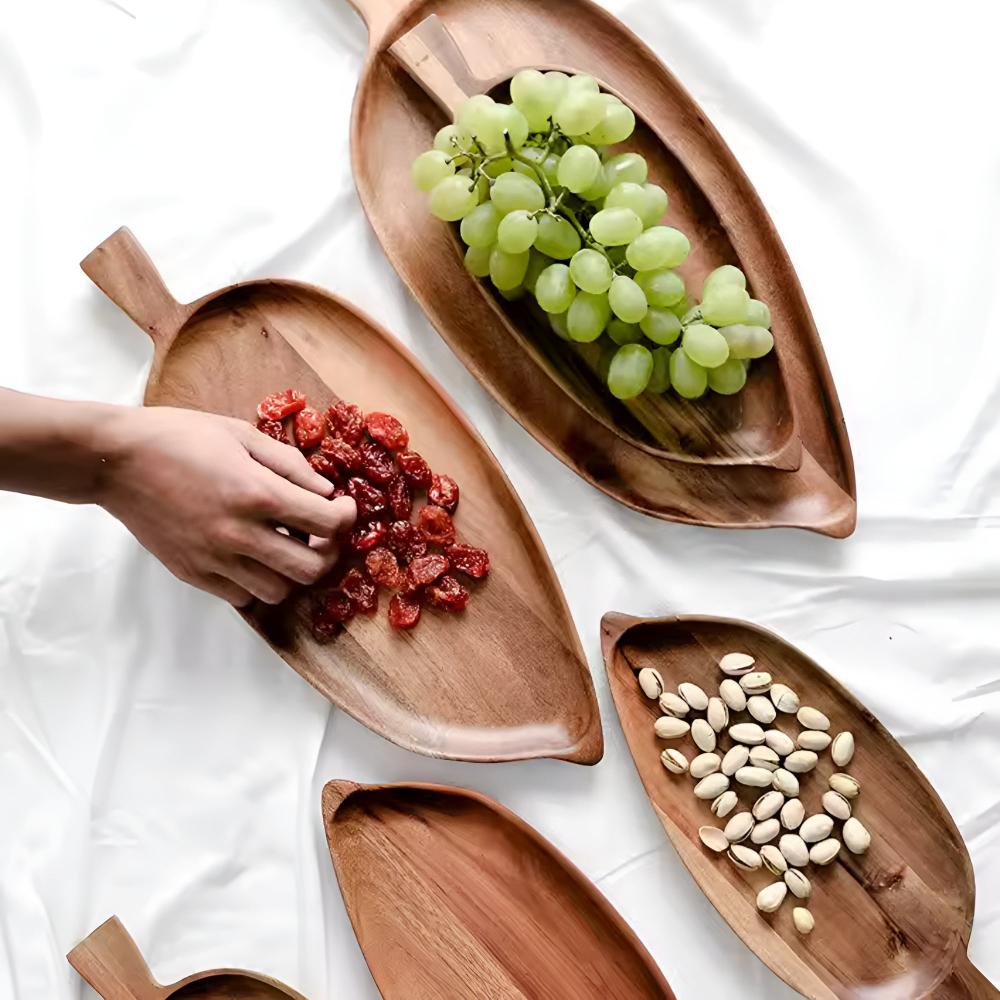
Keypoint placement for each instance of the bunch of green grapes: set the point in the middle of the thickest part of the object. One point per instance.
(546, 207)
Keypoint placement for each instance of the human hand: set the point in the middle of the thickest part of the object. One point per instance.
(206, 495)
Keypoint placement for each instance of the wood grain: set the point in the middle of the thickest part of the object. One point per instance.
(109, 960)
(506, 679)
(789, 415)
(892, 923)
(453, 896)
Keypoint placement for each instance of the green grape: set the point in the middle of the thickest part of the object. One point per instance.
(682, 308)
(452, 139)
(451, 198)
(532, 96)
(537, 263)
(724, 305)
(578, 168)
(626, 167)
(704, 345)
(516, 232)
(725, 275)
(599, 189)
(513, 123)
(630, 371)
(656, 204)
(559, 325)
(689, 379)
(616, 255)
(472, 116)
(627, 195)
(727, 378)
(627, 299)
(604, 359)
(659, 380)
(579, 111)
(623, 333)
(758, 314)
(660, 246)
(747, 341)
(477, 261)
(433, 166)
(591, 271)
(479, 227)
(583, 82)
(555, 289)
(663, 287)
(616, 125)
(660, 325)
(512, 294)
(549, 164)
(512, 191)
(587, 317)
(614, 227)
(556, 237)
(507, 270)
(502, 166)
(558, 84)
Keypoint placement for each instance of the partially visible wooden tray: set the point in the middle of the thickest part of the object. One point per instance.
(453, 896)
(507, 678)
(893, 923)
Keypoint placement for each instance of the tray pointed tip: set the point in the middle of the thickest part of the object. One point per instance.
(334, 794)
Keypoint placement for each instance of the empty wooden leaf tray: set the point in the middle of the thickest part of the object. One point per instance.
(453, 896)
(504, 680)
(891, 923)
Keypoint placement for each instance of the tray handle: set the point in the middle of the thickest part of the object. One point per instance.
(966, 982)
(377, 15)
(109, 960)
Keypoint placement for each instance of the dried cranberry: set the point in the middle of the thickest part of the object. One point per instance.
(361, 591)
(436, 525)
(469, 560)
(346, 421)
(427, 569)
(387, 430)
(342, 453)
(414, 466)
(331, 610)
(279, 405)
(383, 568)
(274, 429)
(366, 537)
(404, 611)
(448, 594)
(322, 464)
(338, 493)
(377, 463)
(308, 428)
(444, 492)
(400, 499)
(370, 499)
(406, 541)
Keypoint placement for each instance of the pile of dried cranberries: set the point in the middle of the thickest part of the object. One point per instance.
(367, 457)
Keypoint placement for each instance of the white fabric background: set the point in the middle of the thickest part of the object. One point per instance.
(158, 761)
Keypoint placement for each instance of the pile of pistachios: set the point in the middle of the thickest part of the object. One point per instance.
(768, 761)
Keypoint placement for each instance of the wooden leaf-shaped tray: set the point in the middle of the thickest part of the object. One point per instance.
(893, 923)
(775, 455)
(507, 678)
(452, 895)
(110, 962)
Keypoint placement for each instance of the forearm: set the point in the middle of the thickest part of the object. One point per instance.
(54, 448)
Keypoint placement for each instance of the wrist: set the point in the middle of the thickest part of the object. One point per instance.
(107, 441)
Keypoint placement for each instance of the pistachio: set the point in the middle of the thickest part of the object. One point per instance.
(849, 787)
(712, 786)
(803, 920)
(761, 709)
(843, 749)
(816, 828)
(824, 852)
(769, 899)
(667, 727)
(651, 682)
(736, 664)
(725, 803)
(773, 860)
(794, 849)
(784, 698)
(703, 735)
(792, 814)
(767, 805)
(758, 682)
(756, 777)
(837, 806)
(736, 757)
(812, 718)
(747, 732)
(856, 836)
(779, 742)
(813, 739)
(705, 764)
(763, 832)
(693, 695)
(801, 761)
(785, 782)
(739, 827)
(718, 714)
(713, 838)
(764, 757)
(733, 695)
(798, 884)
(744, 857)
(673, 704)
(674, 760)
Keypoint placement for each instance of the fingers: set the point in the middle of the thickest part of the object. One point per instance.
(287, 462)
(298, 508)
(259, 580)
(226, 589)
(290, 557)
